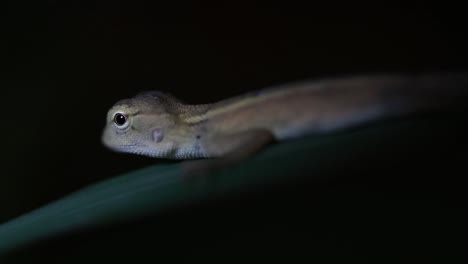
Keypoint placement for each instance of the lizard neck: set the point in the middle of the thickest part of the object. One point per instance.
(187, 113)
(195, 114)
(184, 139)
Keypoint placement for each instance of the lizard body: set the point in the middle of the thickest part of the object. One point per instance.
(159, 125)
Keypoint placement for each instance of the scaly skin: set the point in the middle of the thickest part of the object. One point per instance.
(159, 125)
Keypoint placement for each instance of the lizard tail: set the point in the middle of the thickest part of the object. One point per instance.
(432, 91)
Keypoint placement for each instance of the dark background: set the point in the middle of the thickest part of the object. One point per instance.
(66, 62)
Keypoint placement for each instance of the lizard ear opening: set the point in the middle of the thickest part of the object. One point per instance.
(157, 135)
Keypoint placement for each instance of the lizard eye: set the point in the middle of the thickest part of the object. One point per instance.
(120, 119)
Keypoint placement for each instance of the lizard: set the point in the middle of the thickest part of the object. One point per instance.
(215, 135)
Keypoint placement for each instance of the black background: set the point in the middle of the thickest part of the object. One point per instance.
(64, 63)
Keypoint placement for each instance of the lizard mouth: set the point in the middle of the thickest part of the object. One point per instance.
(132, 145)
(138, 149)
(128, 147)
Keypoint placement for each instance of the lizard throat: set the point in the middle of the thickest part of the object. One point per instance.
(166, 151)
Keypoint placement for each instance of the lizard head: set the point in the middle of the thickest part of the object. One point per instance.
(140, 125)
